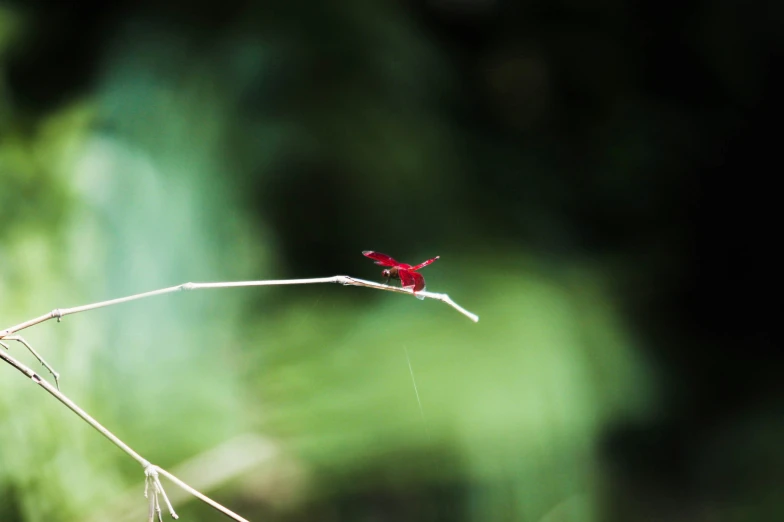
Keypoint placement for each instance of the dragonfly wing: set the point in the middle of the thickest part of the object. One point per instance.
(422, 265)
(419, 282)
(407, 279)
(381, 259)
(413, 281)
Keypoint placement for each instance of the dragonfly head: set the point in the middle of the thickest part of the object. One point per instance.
(390, 273)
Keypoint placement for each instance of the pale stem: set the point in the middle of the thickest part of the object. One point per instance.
(21, 340)
(150, 469)
(59, 313)
(200, 496)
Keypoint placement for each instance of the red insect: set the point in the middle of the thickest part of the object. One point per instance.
(408, 275)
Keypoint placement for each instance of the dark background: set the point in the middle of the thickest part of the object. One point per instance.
(637, 137)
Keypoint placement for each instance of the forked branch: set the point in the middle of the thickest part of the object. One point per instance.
(153, 487)
(21, 340)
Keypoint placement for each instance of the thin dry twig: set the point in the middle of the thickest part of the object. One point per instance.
(21, 340)
(151, 470)
(59, 313)
(209, 470)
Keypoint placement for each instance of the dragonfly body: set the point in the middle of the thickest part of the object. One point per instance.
(407, 274)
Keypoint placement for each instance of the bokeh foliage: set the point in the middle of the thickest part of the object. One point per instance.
(541, 153)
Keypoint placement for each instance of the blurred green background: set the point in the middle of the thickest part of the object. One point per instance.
(590, 174)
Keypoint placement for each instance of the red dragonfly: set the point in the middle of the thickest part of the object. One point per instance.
(408, 275)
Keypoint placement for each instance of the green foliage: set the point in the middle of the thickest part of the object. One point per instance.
(280, 143)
